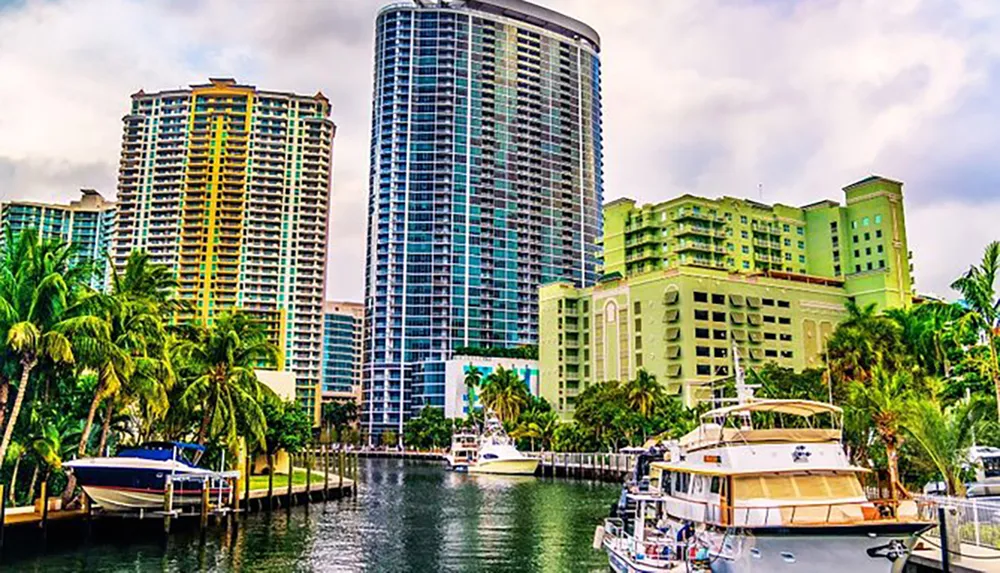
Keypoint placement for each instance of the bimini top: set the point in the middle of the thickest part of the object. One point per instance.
(804, 408)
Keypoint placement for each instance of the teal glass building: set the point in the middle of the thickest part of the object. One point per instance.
(485, 182)
(87, 223)
(342, 329)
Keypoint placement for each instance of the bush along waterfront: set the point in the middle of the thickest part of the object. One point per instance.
(918, 386)
(83, 372)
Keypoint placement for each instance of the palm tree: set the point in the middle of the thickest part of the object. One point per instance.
(945, 435)
(40, 298)
(504, 393)
(15, 452)
(644, 393)
(862, 342)
(978, 289)
(473, 378)
(219, 368)
(885, 399)
(338, 415)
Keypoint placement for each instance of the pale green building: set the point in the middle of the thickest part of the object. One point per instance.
(687, 280)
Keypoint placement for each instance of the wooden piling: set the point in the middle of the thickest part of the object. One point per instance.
(326, 472)
(206, 492)
(168, 505)
(45, 505)
(246, 483)
(341, 463)
(291, 476)
(309, 473)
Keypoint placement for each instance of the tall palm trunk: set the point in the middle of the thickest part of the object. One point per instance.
(106, 427)
(27, 365)
(991, 339)
(4, 396)
(31, 486)
(13, 478)
(892, 461)
(89, 424)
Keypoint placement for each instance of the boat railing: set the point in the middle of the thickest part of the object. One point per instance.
(815, 514)
(976, 521)
(652, 549)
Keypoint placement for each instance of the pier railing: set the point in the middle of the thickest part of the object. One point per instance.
(975, 521)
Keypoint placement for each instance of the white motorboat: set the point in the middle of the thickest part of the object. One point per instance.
(761, 486)
(494, 452)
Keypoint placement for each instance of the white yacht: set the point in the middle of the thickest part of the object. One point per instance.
(494, 452)
(761, 486)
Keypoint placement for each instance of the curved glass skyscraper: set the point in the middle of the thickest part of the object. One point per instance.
(486, 181)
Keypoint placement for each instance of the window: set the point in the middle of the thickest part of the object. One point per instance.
(769, 319)
(833, 226)
(857, 268)
(743, 219)
(857, 254)
(718, 299)
(729, 247)
(703, 351)
(637, 307)
(881, 263)
(836, 270)
(700, 296)
(638, 324)
(784, 320)
(704, 370)
(785, 337)
(746, 250)
(786, 353)
(854, 224)
(865, 221)
(870, 266)
(878, 233)
(868, 236)
(770, 336)
(771, 353)
(715, 485)
(786, 228)
(746, 264)
(720, 335)
(788, 256)
(835, 242)
(878, 219)
(868, 251)
(701, 333)
(721, 352)
(638, 359)
(802, 258)
(784, 304)
(836, 256)
(744, 234)
(722, 371)
(800, 230)
(855, 239)
(701, 315)
(767, 302)
(788, 242)
(719, 317)
(880, 248)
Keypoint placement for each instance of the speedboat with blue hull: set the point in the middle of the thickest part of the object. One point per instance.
(137, 478)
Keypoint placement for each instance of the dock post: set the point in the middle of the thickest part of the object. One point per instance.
(309, 472)
(943, 531)
(340, 473)
(45, 505)
(354, 476)
(3, 512)
(246, 484)
(291, 476)
(206, 491)
(168, 505)
(270, 482)
(326, 472)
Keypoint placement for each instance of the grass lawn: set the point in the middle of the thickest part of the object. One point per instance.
(281, 480)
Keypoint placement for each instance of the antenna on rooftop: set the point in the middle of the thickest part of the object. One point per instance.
(760, 191)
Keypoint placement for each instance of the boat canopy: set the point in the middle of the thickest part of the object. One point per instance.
(804, 408)
(161, 451)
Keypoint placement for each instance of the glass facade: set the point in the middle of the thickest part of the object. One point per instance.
(342, 327)
(486, 181)
(87, 223)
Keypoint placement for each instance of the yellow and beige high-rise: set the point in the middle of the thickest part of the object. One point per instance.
(230, 186)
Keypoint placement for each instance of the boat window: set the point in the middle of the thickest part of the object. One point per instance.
(489, 456)
(715, 485)
(802, 487)
(991, 467)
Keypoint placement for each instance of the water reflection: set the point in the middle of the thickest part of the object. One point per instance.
(408, 516)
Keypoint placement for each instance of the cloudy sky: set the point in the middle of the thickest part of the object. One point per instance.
(709, 97)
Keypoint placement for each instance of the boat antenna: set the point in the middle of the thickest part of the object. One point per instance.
(744, 391)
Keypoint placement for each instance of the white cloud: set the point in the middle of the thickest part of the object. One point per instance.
(702, 96)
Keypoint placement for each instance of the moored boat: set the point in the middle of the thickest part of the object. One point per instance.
(137, 478)
(492, 452)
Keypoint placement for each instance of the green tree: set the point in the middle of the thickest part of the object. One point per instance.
(219, 366)
(945, 436)
(885, 399)
(504, 393)
(978, 289)
(863, 342)
(389, 438)
(536, 424)
(473, 379)
(289, 428)
(337, 415)
(429, 430)
(644, 392)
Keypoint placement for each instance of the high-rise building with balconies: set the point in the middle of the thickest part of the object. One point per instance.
(230, 185)
(486, 181)
(87, 223)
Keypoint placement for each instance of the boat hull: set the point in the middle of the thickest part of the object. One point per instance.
(518, 467)
(858, 549)
(123, 484)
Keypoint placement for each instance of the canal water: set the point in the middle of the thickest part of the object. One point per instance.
(408, 516)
